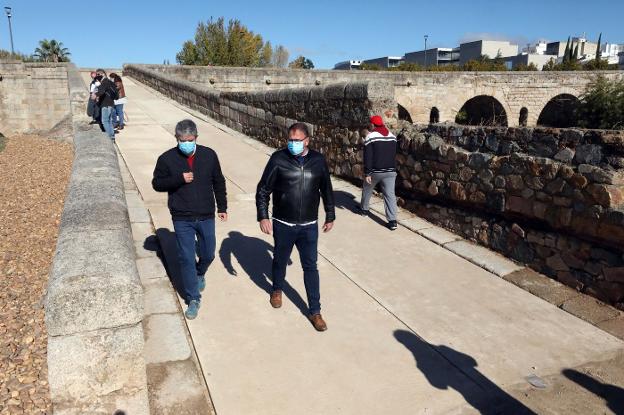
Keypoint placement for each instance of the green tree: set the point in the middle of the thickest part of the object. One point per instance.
(370, 67)
(188, 55)
(266, 55)
(598, 51)
(566, 53)
(301, 62)
(523, 67)
(602, 104)
(216, 43)
(51, 51)
(575, 54)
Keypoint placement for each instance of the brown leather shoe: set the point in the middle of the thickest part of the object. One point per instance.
(276, 299)
(318, 322)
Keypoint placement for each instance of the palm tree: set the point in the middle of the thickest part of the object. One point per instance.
(51, 51)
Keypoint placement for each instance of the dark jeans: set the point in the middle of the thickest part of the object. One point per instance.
(194, 237)
(305, 238)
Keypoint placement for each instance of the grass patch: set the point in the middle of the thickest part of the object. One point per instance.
(2, 142)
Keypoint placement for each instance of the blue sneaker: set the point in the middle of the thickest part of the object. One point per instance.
(192, 310)
(201, 283)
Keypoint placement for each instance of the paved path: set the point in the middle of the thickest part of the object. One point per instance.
(413, 328)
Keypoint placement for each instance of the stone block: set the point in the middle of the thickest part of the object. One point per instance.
(589, 309)
(98, 372)
(175, 385)
(150, 268)
(541, 286)
(415, 223)
(438, 235)
(159, 297)
(165, 338)
(147, 248)
(89, 290)
(483, 257)
(134, 200)
(139, 214)
(141, 231)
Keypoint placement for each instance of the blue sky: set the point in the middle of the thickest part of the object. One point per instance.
(120, 32)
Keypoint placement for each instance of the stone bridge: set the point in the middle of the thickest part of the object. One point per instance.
(420, 94)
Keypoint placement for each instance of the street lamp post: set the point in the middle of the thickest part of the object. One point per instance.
(9, 15)
(426, 37)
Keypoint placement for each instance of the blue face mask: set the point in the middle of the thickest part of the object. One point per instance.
(295, 147)
(186, 147)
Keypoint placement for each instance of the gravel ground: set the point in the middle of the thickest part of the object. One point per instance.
(33, 177)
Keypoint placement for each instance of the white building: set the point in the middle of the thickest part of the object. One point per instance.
(348, 65)
(611, 52)
(538, 48)
(491, 48)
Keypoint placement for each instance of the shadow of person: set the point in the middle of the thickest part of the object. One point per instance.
(613, 395)
(255, 256)
(167, 251)
(347, 201)
(486, 397)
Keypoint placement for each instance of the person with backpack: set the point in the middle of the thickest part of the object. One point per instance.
(106, 95)
(118, 115)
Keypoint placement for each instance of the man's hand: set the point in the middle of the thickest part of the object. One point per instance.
(266, 226)
(188, 177)
(369, 179)
(328, 226)
(223, 216)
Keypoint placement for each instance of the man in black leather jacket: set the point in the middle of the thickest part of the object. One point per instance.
(297, 177)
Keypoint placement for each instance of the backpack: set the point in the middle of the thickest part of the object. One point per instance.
(112, 92)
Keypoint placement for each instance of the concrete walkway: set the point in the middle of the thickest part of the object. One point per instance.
(413, 328)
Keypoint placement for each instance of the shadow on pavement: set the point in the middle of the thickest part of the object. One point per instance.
(347, 201)
(255, 256)
(613, 395)
(167, 250)
(487, 397)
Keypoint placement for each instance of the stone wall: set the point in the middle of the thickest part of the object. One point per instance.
(267, 114)
(553, 199)
(417, 92)
(34, 97)
(94, 301)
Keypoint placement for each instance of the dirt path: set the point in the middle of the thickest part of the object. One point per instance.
(33, 177)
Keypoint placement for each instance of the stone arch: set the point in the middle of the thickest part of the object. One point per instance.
(482, 110)
(434, 115)
(404, 114)
(523, 119)
(560, 111)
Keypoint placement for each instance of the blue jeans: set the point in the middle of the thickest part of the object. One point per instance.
(305, 238)
(107, 121)
(194, 237)
(118, 119)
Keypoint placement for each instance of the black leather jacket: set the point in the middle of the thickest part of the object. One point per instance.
(296, 188)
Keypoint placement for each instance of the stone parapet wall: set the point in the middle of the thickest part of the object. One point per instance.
(267, 114)
(552, 199)
(416, 92)
(34, 97)
(94, 301)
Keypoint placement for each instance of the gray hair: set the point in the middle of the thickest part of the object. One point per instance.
(185, 127)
